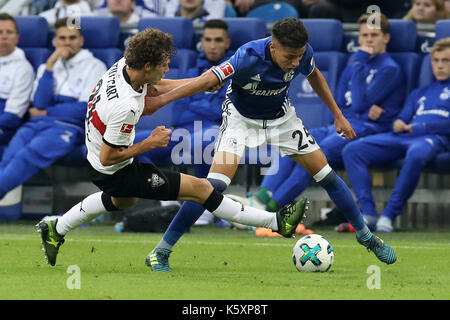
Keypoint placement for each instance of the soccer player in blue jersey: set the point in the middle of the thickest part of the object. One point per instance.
(370, 94)
(257, 110)
(420, 132)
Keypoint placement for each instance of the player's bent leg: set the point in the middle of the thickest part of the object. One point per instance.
(53, 231)
(221, 172)
(342, 197)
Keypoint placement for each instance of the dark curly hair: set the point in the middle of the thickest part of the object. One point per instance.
(150, 45)
(290, 32)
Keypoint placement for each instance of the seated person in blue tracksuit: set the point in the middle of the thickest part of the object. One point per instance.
(421, 131)
(370, 94)
(197, 118)
(16, 81)
(60, 94)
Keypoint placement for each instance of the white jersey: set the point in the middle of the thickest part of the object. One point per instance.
(114, 108)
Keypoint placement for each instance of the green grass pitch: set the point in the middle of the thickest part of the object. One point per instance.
(210, 263)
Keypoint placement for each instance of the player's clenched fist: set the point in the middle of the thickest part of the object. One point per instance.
(160, 137)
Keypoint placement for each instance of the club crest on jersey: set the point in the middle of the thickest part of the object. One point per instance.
(127, 128)
(288, 76)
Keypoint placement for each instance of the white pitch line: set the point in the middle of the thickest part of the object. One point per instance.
(439, 246)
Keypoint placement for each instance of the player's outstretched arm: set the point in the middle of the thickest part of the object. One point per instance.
(185, 88)
(320, 86)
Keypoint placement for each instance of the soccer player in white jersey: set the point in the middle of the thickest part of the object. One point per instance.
(257, 105)
(115, 106)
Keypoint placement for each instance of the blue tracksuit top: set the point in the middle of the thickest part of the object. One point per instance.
(59, 107)
(428, 110)
(366, 82)
(204, 106)
(258, 87)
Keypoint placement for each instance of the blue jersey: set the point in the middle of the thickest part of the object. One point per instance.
(428, 110)
(258, 87)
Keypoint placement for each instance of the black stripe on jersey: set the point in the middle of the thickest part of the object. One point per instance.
(113, 145)
(125, 75)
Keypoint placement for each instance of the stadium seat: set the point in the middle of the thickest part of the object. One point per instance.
(179, 64)
(426, 73)
(243, 30)
(230, 12)
(273, 12)
(326, 41)
(101, 37)
(36, 56)
(181, 29)
(33, 33)
(308, 106)
(442, 29)
(402, 48)
(324, 34)
(75, 158)
(425, 41)
(403, 36)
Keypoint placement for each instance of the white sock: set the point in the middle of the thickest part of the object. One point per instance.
(235, 212)
(87, 210)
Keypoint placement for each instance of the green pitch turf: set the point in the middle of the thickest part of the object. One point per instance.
(220, 264)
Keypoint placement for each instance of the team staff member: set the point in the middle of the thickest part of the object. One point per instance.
(16, 81)
(61, 91)
(420, 131)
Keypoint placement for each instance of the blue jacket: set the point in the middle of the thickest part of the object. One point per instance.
(206, 106)
(366, 82)
(428, 110)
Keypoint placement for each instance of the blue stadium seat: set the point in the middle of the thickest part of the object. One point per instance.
(109, 56)
(324, 34)
(442, 29)
(76, 158)
(178, 66)
(402, 48)
(100, 32)
(424, 42)
(181, 29)
(326, 40)
(230, 12)
(101, 37)
(183, 60)
(273, 12)
(243, 30)
(426, 73)
(403, 36)
(36, 56)
(33, 31)
(308, 106)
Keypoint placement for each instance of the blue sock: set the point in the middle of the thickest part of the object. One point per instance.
(185, 218)
(342, 197)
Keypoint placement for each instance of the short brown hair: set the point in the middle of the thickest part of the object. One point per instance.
(150, 45)
(440, 45)
(385, 26)
(6, 16)
(63, 23)
(290, 32)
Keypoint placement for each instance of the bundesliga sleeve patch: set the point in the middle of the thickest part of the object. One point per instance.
(127, 128)
(224, 71)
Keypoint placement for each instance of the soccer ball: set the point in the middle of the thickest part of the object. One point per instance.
(313, 253)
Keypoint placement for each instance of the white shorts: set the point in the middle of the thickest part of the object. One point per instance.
(287, 134)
